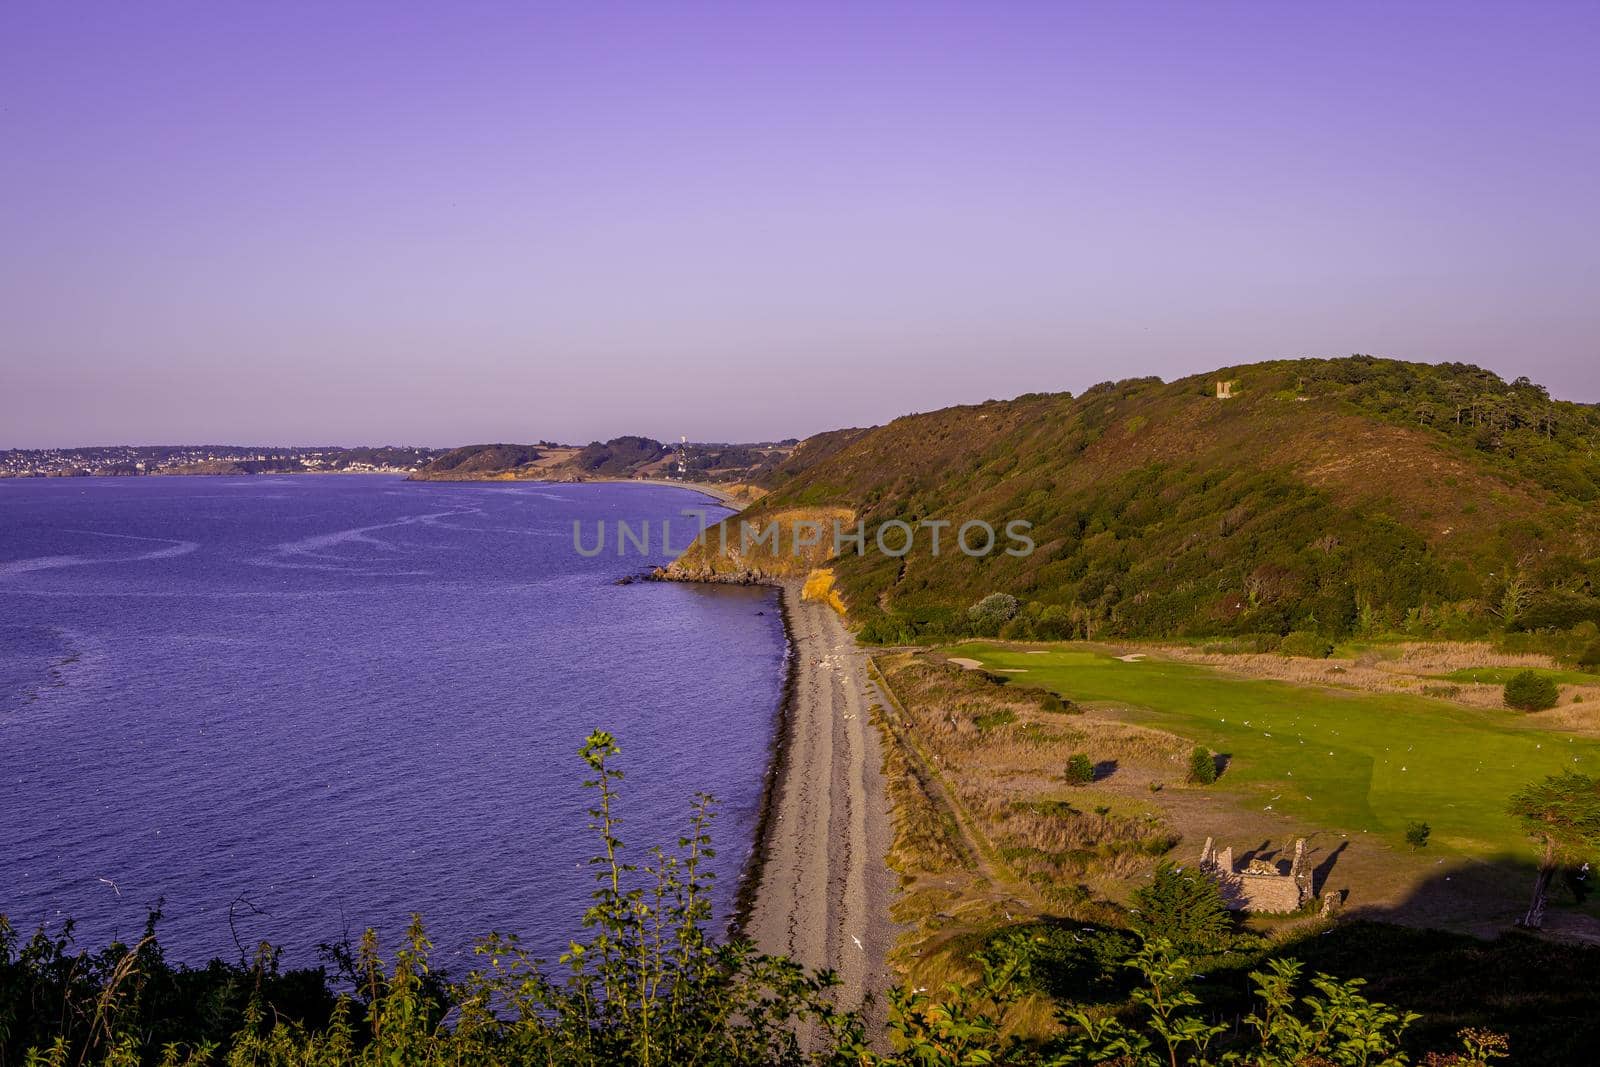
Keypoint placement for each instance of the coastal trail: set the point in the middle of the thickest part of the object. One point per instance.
(824, 891)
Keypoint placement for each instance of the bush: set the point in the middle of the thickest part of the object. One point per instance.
(993, 612)
(1304, 643)
(1065, 960)
(1050, 701)
(1417, 834)
(1202, 766)
(1080, 770)
(1183, 906)
(993, 720)
(1589, 658)
(1529, 691)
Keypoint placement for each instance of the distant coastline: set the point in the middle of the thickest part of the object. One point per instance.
(732, 473)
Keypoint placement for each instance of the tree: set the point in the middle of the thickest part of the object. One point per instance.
(1417, 834)
(1529, 691)
(1561, 814)
(1182, 905)
(1080, 770)
(1202, 766)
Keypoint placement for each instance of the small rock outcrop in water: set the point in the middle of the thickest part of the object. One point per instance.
(675, 572)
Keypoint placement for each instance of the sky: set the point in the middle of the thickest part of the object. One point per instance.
(441, 223)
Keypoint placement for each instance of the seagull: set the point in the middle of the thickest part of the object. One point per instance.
(113, 886)
(857, 940)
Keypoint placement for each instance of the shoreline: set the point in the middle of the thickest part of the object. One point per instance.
(777, 765)
(710, 489)
(817, 886)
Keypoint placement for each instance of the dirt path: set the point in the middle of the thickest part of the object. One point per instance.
(825, 890)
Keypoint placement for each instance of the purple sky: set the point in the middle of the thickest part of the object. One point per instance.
(387, 222)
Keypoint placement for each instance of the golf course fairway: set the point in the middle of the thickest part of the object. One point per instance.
(1345, 759)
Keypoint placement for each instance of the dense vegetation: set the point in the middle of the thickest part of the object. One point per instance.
(479, 459)
(620, 457)
(1529, 691)
(1327, 497)
(646, 985)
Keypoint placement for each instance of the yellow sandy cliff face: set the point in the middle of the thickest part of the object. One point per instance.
(819, 586)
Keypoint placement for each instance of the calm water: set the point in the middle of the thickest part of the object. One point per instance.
(338, 700)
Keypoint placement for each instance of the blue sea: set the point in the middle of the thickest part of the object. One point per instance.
(290, 708)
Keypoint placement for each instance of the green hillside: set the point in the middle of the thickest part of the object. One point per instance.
(1338, 496)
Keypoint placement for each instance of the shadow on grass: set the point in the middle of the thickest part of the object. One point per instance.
(1538, 988)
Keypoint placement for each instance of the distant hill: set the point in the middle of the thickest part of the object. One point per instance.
(1334, 496)
(620, 457)
(474, 462)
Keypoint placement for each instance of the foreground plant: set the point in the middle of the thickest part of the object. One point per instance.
(647, 986)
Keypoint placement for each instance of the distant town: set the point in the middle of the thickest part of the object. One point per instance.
(136, 460)
(620, 457)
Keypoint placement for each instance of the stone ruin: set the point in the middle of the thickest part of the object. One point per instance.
(1259, 886)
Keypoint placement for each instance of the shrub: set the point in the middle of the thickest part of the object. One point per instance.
(1183, 906)
(991, 720)
(1067, 961)
(993, 612)
(1528, 691)
(1417, 834)
(1202, 766)
(1050, 701)
(888, 630)
(1080, 770)
(1304, 643)
(1589, 658)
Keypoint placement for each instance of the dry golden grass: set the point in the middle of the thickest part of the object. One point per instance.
(1442, 657)
(987, 831)
(1414, 667)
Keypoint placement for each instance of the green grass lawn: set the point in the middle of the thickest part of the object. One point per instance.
(1341, 759)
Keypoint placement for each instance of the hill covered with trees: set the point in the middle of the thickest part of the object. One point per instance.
(1332, 496)
(620, 457)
